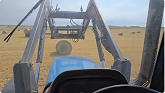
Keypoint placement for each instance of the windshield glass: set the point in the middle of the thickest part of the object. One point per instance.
(126, 20)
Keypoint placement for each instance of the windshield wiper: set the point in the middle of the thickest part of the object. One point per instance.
(31, 11)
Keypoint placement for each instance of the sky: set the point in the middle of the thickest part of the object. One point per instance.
(115, 12)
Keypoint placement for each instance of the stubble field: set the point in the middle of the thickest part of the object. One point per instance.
(131, 46)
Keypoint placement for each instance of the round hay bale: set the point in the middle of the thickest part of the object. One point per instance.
(120, 34)
(63, 47)
(132, 32)
(4, 32)
(27, 32)
(138, 31)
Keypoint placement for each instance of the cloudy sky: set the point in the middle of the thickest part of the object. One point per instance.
(115, 12)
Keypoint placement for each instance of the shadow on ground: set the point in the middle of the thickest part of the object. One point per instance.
(55, 54)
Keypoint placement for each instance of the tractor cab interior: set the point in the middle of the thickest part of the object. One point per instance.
(85, 81)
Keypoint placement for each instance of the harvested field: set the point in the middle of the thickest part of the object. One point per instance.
(130, 45)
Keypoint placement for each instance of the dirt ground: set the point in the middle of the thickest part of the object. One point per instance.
(131, 46)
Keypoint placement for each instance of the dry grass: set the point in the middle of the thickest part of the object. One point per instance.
(131, 46)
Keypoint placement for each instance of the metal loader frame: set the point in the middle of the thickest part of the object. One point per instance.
(46, 14)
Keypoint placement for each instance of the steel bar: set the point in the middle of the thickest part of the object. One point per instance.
(98, 42)
(37, 72)
(154, 21)
(86, 21)
(41, 43)
(69, 15)
(65, 29)
(43, 14)
(68, 36)
(106, 37)
(40, 50)
(51, 26)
